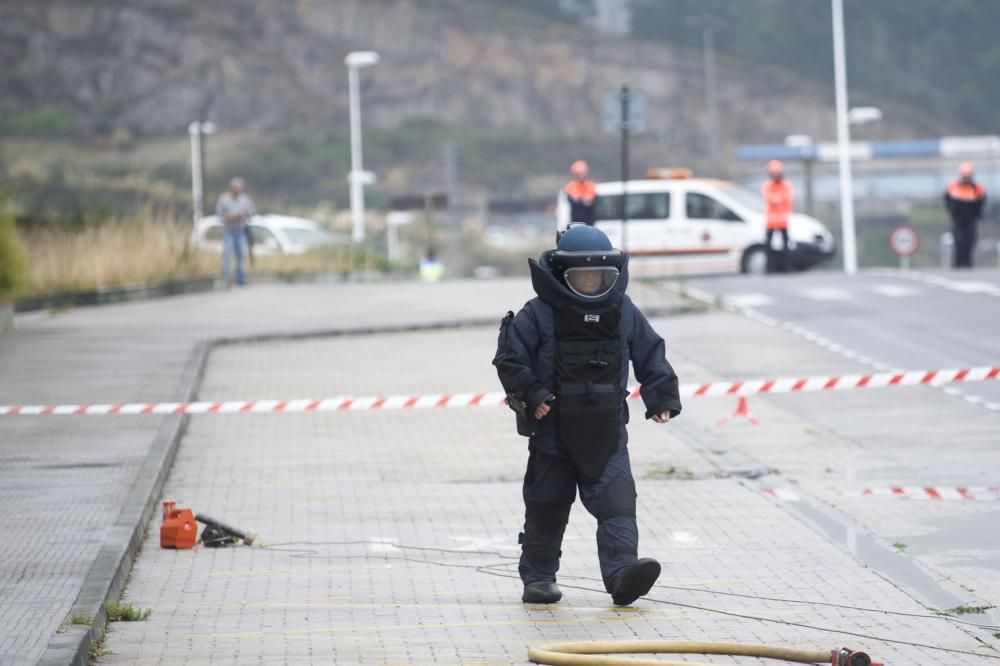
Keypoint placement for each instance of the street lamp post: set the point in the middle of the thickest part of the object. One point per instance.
(848, 232)
(196, 131)
(358, 178)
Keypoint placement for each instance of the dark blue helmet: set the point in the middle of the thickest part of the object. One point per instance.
(585, 261)
(580, 237)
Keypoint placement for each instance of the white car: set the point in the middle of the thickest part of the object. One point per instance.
(683, 225)
(271, 234)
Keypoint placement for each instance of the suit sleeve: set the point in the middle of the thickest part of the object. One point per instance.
(516, 347)
(657, 379)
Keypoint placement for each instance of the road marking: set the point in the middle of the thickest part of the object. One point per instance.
(824, 294)
(749, 300)
(960, 286)
(896, 290)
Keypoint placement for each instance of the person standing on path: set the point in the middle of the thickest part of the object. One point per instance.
(564, 362)
(964, 198)
(577, 200)
(235, 208)
(778, 196)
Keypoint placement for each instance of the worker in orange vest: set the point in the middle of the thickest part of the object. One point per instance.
(778, 195)
(964, 198)
(577, 199)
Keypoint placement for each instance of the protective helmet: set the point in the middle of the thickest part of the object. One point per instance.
(585, 261)
(775, 167)
(579, 169)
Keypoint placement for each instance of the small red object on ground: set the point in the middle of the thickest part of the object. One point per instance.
(742, 409)
(179, 529)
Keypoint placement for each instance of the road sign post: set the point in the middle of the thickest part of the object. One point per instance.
(624, 112)
(625, 129)
(904, 241)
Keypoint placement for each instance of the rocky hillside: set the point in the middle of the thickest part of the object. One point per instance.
(152, 66)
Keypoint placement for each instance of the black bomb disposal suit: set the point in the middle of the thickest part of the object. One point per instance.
(578, 350)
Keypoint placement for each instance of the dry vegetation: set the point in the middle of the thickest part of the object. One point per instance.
(148, 247)
(132, 251)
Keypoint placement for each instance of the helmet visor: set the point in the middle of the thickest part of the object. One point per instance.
(591, 281)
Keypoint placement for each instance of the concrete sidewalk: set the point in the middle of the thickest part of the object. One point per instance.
(80, 490)
(392, 535)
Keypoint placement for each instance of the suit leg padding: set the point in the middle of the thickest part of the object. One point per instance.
(617, 533)
(541, 541)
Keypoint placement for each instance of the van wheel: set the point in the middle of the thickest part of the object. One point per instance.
(754, 260)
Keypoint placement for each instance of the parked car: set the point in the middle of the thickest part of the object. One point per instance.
(271, 234)
(679, 225)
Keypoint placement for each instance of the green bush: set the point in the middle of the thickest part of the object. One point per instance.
(11, 260)
(43, 122)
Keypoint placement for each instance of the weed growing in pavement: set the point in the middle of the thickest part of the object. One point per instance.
(80, 618)
(97, 649)
(901, 547)
(965, 610)
(125, 612)
(677, 473)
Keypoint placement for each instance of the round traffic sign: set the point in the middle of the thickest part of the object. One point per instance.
(904, 240)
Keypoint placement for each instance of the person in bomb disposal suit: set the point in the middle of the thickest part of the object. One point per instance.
(563, 361)
(964, 198)
(577, 200)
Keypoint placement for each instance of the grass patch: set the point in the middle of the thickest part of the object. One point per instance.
(669, 473)
(97, 649)
(11, 259)
(80, 618)
(901, 547)
(119, 612)
(965, 610)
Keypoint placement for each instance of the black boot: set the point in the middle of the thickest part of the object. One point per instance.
(541, 593)
(634, 581)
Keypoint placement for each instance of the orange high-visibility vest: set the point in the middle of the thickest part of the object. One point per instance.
(778, 197)
(584, 192)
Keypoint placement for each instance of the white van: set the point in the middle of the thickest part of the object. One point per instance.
(682, 225)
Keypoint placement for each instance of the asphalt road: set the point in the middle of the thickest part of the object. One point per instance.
(944, 439)
(891, 319)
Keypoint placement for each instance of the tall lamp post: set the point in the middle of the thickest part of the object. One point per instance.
(847, 228)
(358, 177)
(196, 131)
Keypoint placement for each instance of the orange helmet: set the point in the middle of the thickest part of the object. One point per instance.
(775, 167)
(965, 170)
(579, 169)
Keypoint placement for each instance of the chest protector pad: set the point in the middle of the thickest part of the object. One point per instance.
(588, 375)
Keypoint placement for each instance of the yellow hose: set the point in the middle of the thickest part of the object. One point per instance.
(592, 653)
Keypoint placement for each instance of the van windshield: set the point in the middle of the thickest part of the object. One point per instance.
(743, 196)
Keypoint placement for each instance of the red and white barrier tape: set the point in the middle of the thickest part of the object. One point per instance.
(939, 493)
(496, 399)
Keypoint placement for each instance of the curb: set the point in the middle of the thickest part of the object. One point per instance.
(166, 288)
(107, 576)
(124, 294)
